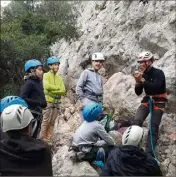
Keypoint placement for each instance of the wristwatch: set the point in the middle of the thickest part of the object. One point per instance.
(142, 80)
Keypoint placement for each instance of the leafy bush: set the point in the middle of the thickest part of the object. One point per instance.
(28, 29)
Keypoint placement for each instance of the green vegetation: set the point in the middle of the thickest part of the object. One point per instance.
(28, 29)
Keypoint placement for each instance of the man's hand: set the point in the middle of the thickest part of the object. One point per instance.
(137, 76)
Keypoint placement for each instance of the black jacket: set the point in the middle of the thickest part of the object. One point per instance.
(23, 155)
(130, 161)
(32, 93)
(154, 83)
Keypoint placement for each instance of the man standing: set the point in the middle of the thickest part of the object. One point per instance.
(152, 80)
(90, 86)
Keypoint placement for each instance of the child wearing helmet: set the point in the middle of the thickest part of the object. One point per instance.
(32, 91)
(91, 136)
(53, 88)
(130, 159)
(7, 101)
(10, 100)
(89, 87)
(21, 154)
(152, 81)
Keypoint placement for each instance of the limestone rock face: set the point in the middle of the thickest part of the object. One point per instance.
(120, 30)
(63, 165)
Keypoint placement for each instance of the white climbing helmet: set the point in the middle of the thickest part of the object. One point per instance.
(133, 135)
(145, 56)
(15, 117)
(97, 56)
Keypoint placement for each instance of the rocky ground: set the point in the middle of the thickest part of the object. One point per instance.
(68, 121)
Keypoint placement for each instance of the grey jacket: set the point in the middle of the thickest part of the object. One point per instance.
(90, 86)
(89, 133)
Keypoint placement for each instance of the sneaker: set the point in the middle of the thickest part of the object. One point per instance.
(99, 164)
(100, 155)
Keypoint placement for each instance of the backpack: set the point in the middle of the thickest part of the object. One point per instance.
(107, 122)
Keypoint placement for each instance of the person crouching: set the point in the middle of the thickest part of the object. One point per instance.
(91, 141)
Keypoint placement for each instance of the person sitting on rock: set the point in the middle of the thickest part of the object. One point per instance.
(119, 125)
(130, 159)
(21, 154)
(53, 88)
(91, 137)
(11, 100)
(89, 87)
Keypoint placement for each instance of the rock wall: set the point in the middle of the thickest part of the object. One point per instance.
(121, 30)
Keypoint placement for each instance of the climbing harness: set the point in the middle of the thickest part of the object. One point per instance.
(150, 103)
(55, 98)
(36, 121)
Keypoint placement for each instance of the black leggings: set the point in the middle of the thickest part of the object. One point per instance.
(141, 115)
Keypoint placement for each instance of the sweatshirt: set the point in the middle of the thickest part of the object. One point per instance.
(90, 86)
(22, 155)
(90, 133)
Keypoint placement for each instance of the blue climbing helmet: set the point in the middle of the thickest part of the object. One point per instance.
(91, 111)
(31, 64)
(11, 100)
(52, 60)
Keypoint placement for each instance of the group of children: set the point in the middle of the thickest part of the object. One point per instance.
(42, 93)
(91, 142)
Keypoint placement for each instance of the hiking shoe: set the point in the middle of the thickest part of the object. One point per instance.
(100, 155)
(99, 164)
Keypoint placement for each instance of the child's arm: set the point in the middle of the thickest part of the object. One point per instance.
(61, 90)
(80, 85)
(47, 85)
(25, 92)
(104, 135)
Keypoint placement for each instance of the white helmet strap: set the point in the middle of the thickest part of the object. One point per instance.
(33, 127)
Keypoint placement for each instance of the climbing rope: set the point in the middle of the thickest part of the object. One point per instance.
(150, 104)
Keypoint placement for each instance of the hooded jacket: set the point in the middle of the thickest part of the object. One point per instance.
(22, 155)
(89, 133)
(32, 93)
(53, 87)
(130, 161)
(90, 86)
